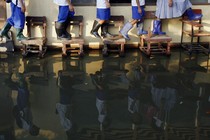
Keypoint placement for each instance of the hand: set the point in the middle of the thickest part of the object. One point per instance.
(139, 11)
(23, 8)
(71, 7)
(107, 5)
(170, 3)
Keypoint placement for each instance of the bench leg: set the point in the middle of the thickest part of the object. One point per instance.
(168, 51)
(64, 54)
(41, 52)
(148, 51)
(24, 51)
(81, 51)
(141, 41)
(122, 50)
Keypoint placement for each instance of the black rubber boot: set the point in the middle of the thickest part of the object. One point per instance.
(5, 30)
(104, 31)
(20, 35)
(65, 27)
(60, 29)
(94, 31)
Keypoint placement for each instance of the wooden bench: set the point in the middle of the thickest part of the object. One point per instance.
(35, 44)
(151, 39)
(118, 22)
(75, 21)
(194, 32)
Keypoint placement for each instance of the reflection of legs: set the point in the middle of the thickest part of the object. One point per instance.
(63, 111)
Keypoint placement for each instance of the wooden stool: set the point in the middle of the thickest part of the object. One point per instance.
(150, 39)
(35, 44)
(155, 39)
(77, 21)
(114, 21)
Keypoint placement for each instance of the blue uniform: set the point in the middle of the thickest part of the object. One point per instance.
(135, 13)
(103, 12)
(17, 18)
(64, 13)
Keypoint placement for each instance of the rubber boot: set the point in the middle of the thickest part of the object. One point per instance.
(20, 35)
(62, 111)
(5, 30)
(94, 31)
(192, 16)
(124, 31)
(140, 30)
(66, 26)
(61, 31)
(157, 28)
(104, 31)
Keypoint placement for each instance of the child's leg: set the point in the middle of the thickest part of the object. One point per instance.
(102, 15)
(18, 21)
(9, 23)
(62, 23)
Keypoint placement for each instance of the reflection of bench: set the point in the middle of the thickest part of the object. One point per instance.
(7, 45)
(114, 21)
(78, 21)
(35, 44)
(150, 39)
(194, 32)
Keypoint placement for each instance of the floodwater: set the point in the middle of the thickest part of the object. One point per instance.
(112, 98)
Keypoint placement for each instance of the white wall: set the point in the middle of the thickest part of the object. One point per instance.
(50, 10)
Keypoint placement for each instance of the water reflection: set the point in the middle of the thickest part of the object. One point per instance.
(104, 98)
(67, 78)
(21, 109)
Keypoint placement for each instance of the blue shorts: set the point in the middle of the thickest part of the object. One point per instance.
(103, 14)
(64, 13)
(136, 14)
(17, 18)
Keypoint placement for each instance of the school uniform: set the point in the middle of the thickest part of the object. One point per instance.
(17, 18)
(103, 13)
(64, 12)
(135, 13)
(163, 11)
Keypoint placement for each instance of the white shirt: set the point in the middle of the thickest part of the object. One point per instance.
(61, 2)
(142, 2)
(101, 4)
(19, 4)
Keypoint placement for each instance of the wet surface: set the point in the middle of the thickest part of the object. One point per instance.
(112, 98)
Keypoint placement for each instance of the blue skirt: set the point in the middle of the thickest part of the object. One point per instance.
(163, 11)
(17, 18)
(103, 14)
(64, 13)
(136, 14)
